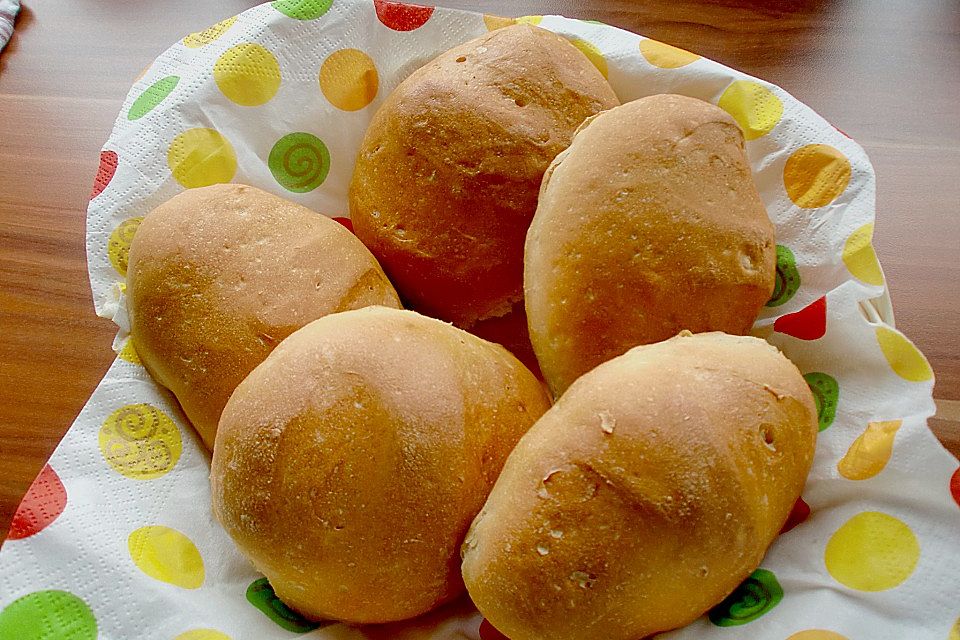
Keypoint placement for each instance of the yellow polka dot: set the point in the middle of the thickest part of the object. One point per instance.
(348, 79)
(904, 358)
(860, 258)
(208, 35)
(167, 555)
(665, 56)
(815, 175)
(497, 22)
(870, 452)
(248, 74)
(202, 634)
(140, 442)
(122, 286)
(872, 551)
(118, 246)
(129, 353)
(593, 54)
(817, 634)
(955, 631)
(755, 108)
(201, 157)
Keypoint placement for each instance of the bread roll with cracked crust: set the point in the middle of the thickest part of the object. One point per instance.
(649, 224)
(649, 491)
(447, 176)
(218, 276)
(349, 465)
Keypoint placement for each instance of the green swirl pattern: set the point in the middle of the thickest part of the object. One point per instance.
(299, 162)
(757, 595)
(826, 393)
(261, 595)
(788, 278)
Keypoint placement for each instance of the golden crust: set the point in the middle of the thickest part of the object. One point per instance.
(646, 494)
(218, 276)
(648, 224)
(447, 176)
(349, 465)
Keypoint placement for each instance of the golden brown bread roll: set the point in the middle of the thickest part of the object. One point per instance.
(218, 276)
(349, 465)
(649, 224)
(447, 177)
(646, 494)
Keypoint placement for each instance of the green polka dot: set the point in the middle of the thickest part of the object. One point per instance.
(826, 393)
(788, 278)
(299, 162)
(154, 95)
(302, 9)
(757, 595)
(261, 595)
(48, 615)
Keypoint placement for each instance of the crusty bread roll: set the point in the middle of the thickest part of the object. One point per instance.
(447, 177)
(646, 494)
(218, 276)
(649, 224)
(349, 465)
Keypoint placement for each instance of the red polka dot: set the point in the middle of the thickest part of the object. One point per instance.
(45, 501)
(799, 514)
(488, 632)
(955, 486)
(810, 323)
(347, 222)
(400, 16)
(108, 166)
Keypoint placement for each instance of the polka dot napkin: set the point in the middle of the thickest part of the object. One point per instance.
(115, 538)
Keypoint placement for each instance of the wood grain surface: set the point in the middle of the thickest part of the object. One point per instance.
(886, 72)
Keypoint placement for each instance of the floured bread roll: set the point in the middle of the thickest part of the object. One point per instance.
(646, 494)
(649, 224)
(218, 276)
(447, 176)
(349, 465)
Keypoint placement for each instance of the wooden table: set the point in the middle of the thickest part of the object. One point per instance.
(887, 73)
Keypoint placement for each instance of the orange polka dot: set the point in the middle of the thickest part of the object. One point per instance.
(817, 634)
(665, 56)
(349, 80)
(497, 22)
(870, 452)
(815, 175)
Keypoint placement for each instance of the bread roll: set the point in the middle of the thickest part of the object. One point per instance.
(349, 465)
(646, 494)
(447, 176)
(649, 224)
(218, 276)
